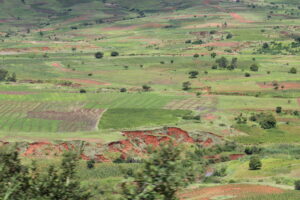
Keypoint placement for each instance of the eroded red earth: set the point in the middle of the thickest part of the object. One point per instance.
(136, 143)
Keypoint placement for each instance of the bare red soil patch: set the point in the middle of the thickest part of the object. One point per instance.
(58, 66)
(240, 18)
(236, 190)
(88, 82)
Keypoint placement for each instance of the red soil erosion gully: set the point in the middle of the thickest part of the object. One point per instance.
(135, 144)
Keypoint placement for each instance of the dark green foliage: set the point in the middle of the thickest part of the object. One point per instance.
(241, 119)
(82, 91)
(278, 109)
(3, 74)
(123, 90)
(90, 164)
(196, 55)
(99, 55)
(247, 74)
(193, 74)
(252, 150)
(254, 67)
(161, 176)
(255, 163)
(220, 172)
(229, 36)
(293, 70)
(213, 55)
(114, 54)
(19, 182)
(198, 42)
(146, 88)
(297, 185)
(186, 85)
(267, 121)
(222, 62)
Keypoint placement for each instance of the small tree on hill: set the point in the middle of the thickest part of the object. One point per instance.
(161, 176)
(255, 163)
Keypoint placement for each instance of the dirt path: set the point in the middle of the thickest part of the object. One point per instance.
(99, 118)
(59, 67)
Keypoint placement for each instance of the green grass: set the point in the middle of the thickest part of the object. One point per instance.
(290, 195)
(133, 118)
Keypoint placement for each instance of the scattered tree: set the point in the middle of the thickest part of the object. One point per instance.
(255, 163)
(193, 74)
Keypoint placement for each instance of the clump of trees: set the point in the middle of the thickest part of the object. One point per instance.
(19, 182)
(5, 76)
(166, 171)
(223, 63)
(265, 120)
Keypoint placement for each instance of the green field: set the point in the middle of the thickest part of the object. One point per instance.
(244, 56)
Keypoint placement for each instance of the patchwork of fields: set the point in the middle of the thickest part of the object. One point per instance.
(90, 70)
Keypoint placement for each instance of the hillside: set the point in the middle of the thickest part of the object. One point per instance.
(108, 78)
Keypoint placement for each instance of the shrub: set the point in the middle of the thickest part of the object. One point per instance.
(193, 74)
(99, 55)
(278, 109)
(123, 90)
(114, 54)
(186, 85)
(146, 88)
(196, 55)
(293, 70)
(90, 164)
(82, 91)
(247, 74)
(254, 67)
(297, 185)
(255, 163)
(267, 121)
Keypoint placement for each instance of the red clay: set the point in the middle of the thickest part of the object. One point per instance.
(236, 156)
(281, 85)
(240, 18)
(237, 190)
